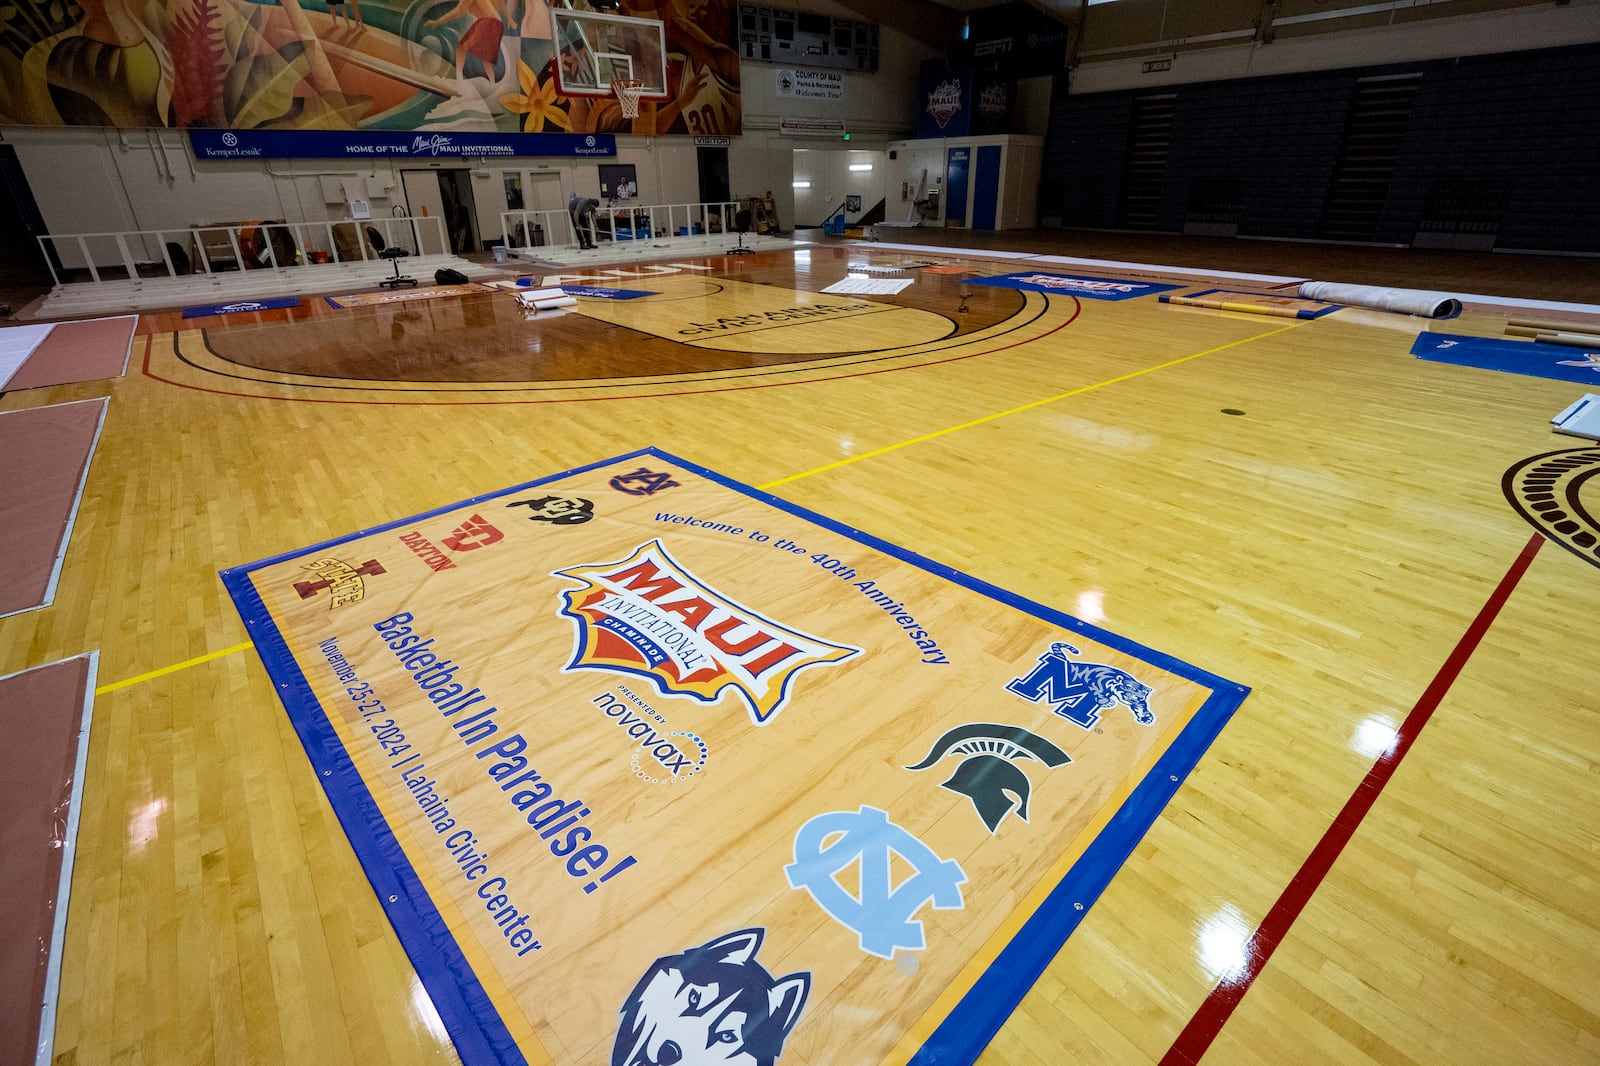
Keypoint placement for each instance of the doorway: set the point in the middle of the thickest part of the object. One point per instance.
(460, 211)
(446, 195)
(22, 263)
(715, 187)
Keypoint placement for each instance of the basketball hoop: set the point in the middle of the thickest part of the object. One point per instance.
(628, 93)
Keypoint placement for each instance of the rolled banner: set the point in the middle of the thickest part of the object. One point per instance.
(534, 297)
(1405, 301)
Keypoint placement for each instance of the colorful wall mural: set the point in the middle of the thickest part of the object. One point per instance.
(468, 65)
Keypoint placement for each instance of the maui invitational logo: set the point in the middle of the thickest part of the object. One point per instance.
(994, 101)
(1058, 281)
(945, 101)
(649, 616)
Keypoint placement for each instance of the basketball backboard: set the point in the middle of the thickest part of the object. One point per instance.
(593, 50)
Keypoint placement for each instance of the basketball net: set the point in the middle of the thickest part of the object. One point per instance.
(628, 93)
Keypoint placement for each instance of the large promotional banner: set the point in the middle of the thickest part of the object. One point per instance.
(648, 766)
(418, 65)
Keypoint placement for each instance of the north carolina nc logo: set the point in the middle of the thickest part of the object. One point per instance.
(882, 912)
(647, 615)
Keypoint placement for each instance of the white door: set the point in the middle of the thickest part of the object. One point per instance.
(423, 198)
(543, 191)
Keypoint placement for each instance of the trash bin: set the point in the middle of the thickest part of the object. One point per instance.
(500, 255)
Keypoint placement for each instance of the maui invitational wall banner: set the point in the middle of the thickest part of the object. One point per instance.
(649, 766)
(410, 65)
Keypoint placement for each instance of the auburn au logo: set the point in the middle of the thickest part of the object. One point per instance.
(647, 615)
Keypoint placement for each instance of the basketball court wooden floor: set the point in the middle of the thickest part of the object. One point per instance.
(1403, 812)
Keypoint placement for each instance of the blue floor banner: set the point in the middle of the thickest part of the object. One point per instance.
(650, 766)
(1530, 358)
(1076, 285)
(239, 307)
(602, 293)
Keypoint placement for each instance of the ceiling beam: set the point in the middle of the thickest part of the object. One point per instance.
(920, 20)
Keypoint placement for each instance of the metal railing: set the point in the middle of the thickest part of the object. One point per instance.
(530, 229)
(271, 245)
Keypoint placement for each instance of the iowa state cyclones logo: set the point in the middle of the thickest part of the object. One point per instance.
(647, 615)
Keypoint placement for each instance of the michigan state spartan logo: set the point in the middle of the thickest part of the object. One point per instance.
(647, 615)
(1080, 691)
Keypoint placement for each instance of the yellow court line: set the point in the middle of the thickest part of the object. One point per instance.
(936, 434)
(174, 668)
(796, 477)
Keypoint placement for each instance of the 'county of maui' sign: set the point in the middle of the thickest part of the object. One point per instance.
(368, 144)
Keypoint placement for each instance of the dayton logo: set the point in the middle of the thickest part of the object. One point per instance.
(988, 774)
(248, 305)
(647, 615)
(1056, 281)
(711, 1004)
(474, 533)
(1080, 691)
(944, 102)
(341, 580)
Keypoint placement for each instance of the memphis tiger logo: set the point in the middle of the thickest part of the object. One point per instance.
(647, 615)
(1080, 691)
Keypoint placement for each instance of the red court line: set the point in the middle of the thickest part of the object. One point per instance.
(1219, 1005)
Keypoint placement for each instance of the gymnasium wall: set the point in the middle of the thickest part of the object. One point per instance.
(121, 179)
(1484, 151)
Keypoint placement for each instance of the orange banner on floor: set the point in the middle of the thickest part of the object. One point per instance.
(400, 296)
(638, 756)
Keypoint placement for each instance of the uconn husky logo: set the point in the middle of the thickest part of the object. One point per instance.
(1080, 691)
(711, 1004)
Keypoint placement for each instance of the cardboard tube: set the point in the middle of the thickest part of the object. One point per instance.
(1230, 305)
(550, 305)
(1571, 340)
(1547, 325)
